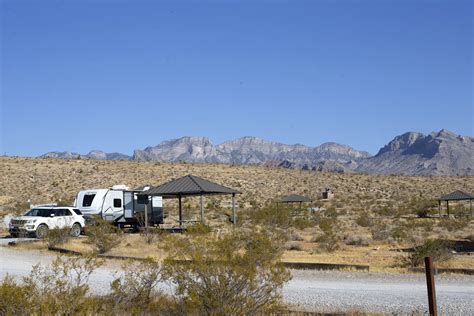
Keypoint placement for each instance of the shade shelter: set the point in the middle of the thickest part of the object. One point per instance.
(192, 186)
(294, 198)
(455, 196)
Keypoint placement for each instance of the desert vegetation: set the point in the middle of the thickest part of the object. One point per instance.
(236, 274)
(370, 220)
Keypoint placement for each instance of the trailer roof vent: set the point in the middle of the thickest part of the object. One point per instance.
(120, 187)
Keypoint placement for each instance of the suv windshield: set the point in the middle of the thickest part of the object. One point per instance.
(43, 212)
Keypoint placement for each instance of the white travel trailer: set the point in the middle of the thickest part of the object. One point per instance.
(120, 205)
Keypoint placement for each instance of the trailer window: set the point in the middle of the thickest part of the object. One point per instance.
(117, 203)
(87, 201)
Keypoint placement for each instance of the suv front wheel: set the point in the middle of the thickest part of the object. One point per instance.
(75, 230)
(42, 231)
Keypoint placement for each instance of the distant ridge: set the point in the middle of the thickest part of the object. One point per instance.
(412, 153)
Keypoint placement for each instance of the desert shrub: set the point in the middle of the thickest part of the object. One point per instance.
(330, 212)
(422, 207)
(236, 274)
(296, 236)
(329, 241)
(12, 297)
(385, 211)
(150, 234)
(302, 222)
(326, 224)
(453, 225)
(213, 204)
(400, 233)
(363, 220)
(58, 236)
(136, 288)
(440, 250)
(198, 229)
(381, 232)
(103, 235)
(357, 240)
(293, 245)
(61, 288)
(272, 216)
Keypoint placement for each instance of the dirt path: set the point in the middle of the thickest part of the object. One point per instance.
(311, 290)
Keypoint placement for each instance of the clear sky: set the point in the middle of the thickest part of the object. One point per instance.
(120, 75)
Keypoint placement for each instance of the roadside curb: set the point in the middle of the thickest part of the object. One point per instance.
(290, 265)
(444, 270)
(325, 266)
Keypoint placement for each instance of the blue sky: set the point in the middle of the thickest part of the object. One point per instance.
(121, 75)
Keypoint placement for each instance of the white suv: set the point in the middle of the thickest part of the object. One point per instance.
(39, 220)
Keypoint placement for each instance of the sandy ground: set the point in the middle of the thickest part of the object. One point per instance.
(324, 291)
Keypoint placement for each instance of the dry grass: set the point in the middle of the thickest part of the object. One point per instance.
(51, 180)
(374, 209)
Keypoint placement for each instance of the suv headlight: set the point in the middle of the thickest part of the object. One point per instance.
(31, 221)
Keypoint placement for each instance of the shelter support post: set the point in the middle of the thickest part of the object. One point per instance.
(234, 215)
(180, 212)
(439, 208)
(447, 207)
(146, 214)
(202, 210)
(470, 206)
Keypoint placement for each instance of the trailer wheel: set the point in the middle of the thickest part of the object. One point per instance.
(42, 231)
(76, 230)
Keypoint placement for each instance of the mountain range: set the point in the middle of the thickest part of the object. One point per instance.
(412, 153)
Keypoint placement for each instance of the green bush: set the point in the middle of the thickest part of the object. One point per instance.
(136, 288)
(13, 298)
(381, 232)
(326, 224)
(58, 236)
(103, 235)
(453, 225)
(329, 241)
(198, 229)
(364, 221)
(357, 240)
(271, 215)
(237, 274)
(440, 250)
(61, 288)
(302, 222)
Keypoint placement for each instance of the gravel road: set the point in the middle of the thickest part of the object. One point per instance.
(320, 291)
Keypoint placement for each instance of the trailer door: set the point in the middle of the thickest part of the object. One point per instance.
(128, 205)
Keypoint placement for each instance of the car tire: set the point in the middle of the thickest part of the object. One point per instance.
(14, 235)
(76, 230)
(42, 231)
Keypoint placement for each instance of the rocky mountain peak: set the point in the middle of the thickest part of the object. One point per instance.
(439, 153)
(412, 153)
(401, 142)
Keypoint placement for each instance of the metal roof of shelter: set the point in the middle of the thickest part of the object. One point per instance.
(294, 198)
(457, 196)
(187, 186)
